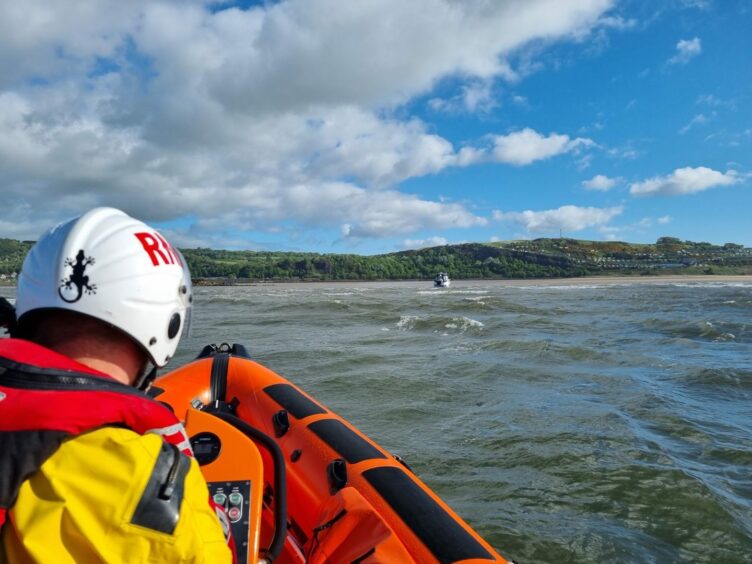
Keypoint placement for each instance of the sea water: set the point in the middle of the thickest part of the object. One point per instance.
(593, 422)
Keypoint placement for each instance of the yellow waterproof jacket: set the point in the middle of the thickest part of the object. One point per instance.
(97, 499)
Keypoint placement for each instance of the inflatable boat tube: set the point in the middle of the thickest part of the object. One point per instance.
(300, 483)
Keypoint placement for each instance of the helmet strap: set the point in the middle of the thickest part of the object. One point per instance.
(148, 376)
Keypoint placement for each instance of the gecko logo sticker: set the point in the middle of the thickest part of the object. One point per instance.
(72, 288)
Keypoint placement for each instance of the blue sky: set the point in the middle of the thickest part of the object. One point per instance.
(374, 126)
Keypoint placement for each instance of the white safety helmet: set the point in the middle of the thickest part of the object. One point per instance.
(107, 265)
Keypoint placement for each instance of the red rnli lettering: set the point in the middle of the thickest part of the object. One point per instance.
(174, 255)
(158, 249)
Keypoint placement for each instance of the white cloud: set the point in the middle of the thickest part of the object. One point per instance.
(699, 119)
(685, 180)
(526, 146)
(249, 119)
(476, 97)
(600, 182)
(566, 218)
(397, 39)
(584, 162)
(617, 22)
(521, 148)
(686, 49)
(623, 152)
(479, 97)
(424, 243)
(664, 219)
(714, 101)
(372, 214)
(699, 4)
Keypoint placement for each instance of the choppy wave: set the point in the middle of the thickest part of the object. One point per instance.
(453, 291)
(438, 323)
(702, 329)
(725, 380)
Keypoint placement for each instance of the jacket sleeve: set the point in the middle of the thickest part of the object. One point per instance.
(112, 495)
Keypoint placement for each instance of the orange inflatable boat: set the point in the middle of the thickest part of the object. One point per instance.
(300, 483)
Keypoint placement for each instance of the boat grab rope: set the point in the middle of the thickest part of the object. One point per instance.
(315, 542)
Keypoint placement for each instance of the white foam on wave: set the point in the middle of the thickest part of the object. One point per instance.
(469, 292)
(406, 322)
(464, 323)
(569, 287)
(454, 292)
(726, 337)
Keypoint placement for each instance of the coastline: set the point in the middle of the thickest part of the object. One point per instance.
(521, 282)
(620, 280)
(574, 281)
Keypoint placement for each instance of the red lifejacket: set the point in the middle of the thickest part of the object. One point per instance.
(46, 397)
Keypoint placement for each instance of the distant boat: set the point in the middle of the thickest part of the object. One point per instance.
(441, 280)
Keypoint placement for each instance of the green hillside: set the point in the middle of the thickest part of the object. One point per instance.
(538, 258)
(12, 254)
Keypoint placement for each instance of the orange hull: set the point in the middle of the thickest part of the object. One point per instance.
(348, 499)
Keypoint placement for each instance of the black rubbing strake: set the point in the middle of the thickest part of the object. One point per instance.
(298, 405)
(220, 364)
(447, 540)
(345, 441)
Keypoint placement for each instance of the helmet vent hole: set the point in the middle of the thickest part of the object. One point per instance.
(153, 341)
(174, 326)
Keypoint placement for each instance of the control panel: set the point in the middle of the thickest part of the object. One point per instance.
(235, 498)
(232, 466)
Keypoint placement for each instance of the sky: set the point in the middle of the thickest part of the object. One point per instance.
(375, 126)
